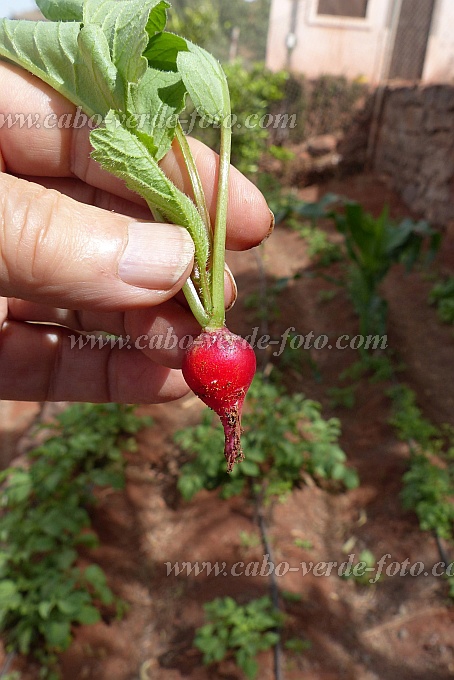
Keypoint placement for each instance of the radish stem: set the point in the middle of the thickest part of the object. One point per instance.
(200, 202)
(195, 303)
(194, 176)
(217, 319)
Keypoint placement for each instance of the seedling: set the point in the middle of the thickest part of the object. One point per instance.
(114, 60)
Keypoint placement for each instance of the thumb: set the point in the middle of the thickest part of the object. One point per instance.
(57, 251)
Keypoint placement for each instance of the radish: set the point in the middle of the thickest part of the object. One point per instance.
(137, 88)
(219, 367)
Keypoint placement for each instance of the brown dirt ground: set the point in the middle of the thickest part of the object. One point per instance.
(398, 629)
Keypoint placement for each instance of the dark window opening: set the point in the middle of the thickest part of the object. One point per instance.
(343, 8)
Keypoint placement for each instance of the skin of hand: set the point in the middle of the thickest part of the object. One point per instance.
(80, 253)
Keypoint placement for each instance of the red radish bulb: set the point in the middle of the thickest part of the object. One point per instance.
(219, 367)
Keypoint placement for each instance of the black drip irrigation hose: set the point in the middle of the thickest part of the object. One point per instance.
(274, 588)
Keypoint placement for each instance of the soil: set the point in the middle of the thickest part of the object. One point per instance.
(397, 629)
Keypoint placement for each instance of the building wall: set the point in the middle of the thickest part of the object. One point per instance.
(439, 63)
(339, 46)
(353, 47)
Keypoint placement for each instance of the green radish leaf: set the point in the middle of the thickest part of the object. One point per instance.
(88, 615)
(123, 154)
(74, 62)
(156, 102)
(163, 49)
(62, 10)
(158, 18)
(103, 78)
(206, 83)
(124, 23)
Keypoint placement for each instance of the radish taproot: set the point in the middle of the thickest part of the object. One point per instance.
(219, 367)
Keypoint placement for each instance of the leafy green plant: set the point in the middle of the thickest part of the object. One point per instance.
(117, 63)
(429, 491)
(114, 60)
(238, 631)
(44, 520)
(409, 421)
(442, 296)
(373, 246)
(283, 436)
(428, 484)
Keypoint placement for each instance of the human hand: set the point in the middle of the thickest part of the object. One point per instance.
(76, 256)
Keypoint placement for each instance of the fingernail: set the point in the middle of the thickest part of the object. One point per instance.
(270, 228)
(156, 255)
(229, 277)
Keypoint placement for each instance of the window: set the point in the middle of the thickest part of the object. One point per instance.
(343, 8)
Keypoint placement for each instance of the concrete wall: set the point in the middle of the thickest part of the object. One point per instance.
(335, 45)
(415, 148)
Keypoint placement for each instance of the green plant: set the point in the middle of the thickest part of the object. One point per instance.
(115, 61)
(429, 491)
(303, 543)
(241, 631)
(249, 540)
(297, 646)
(373, 245)
(199, 24)
(319, 246)
(428, 484)
(266, 303)
(442, 296)
(283, 435)
(280, 201)
(44, 520)
(377, 367)
(343, 396)
(408, 420)
(361, 571)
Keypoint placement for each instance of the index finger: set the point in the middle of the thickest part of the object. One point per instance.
(48, 144)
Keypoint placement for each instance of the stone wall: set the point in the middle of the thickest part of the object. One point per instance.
(415, 148)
